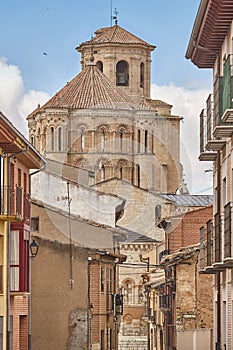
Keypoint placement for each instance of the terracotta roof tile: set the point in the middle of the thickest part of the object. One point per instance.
(115, 34)
(90, 89)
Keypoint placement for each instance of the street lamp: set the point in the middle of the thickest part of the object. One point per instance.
(34, 247)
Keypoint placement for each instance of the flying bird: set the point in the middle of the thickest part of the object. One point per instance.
(44, 53)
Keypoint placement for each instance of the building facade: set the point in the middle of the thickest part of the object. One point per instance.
(74, 284)
(210, 46)
(17, 158)
(105, 121)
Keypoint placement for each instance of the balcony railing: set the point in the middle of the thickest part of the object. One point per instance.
(206, 248)
(14, 204)
(206, 131)
(227, 231)
(217, 238)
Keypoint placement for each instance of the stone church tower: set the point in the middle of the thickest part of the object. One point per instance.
(104, 120)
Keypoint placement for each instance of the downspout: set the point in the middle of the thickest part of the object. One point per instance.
(218, 280)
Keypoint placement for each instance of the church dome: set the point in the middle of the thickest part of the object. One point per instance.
(90, 89)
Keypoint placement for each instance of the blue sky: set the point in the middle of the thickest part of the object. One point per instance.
(30, 28)
(57, 27)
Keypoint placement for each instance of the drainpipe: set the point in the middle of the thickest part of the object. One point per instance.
(89, 306)
(218, 284)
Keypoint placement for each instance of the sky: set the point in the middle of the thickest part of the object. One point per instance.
(38, 57)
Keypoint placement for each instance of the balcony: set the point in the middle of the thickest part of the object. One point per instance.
(206, 128)
(14, 204)
(206, 249)
(216, 121)
(228, 249)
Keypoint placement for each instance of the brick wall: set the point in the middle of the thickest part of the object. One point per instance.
(185, 229)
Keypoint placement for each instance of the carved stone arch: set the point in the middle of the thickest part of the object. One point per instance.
(123, 162)
(81, 162)
(104, 127)
(123, 127)
(81, 125)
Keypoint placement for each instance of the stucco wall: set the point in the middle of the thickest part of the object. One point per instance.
(59, 312)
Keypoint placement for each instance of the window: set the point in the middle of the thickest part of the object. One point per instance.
(59, 139)
(158, 210)
(82, 140)
(102, 140)
(32, 140)
(52, 139)
(25, 182)
(142, 75)
(146, 140)
(121, 140)
(122, 73)
(19, 260)
(102, 340)
(14, 260)
(121, 172)
(132, 176)
(138, 141)
(102, 173)
(128, 292)
(224, 191)
(35, 224)
(19, 177)
(138, 176)
(99, 65)
(102, 279)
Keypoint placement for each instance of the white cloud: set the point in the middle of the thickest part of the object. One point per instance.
(188, 104)
(15, 103)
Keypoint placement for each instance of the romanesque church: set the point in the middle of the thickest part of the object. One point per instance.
(105, 121)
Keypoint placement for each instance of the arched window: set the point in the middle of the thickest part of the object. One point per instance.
(102, 173)
(121, 172)
(121, 140)
(132, 176)
(122, 73)
(128, 292)
(138, 175)
(102, 140)
(146, 140)
(52, 139)
(32, 140)
(82, 140)
(99, 65)
(59, 139)
(138, 141)
(142, 75)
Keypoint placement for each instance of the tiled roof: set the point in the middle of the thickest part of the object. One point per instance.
(159, 103)
(90, 89)
(135, 237)
(189, 200)
(116, 35)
